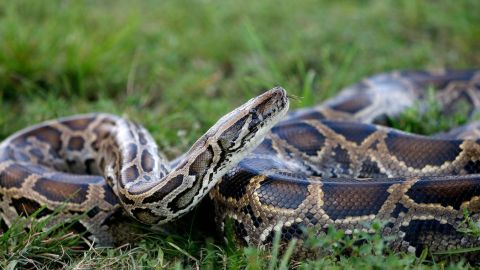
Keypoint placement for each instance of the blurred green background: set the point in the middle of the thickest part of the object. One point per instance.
(177, 66)
(180, 65)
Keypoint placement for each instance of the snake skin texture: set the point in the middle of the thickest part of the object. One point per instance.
(333, 164)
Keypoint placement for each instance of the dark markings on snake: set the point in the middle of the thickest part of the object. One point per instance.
(174, 183)
(370, 169)
(287, 233)
(311, 218)
(142, 138)
(49, 135)
(125, 199)
(221, 159)
(3, 224)
(202, 163)
(131, 152)
(79, 228)
(342, 160)
(9, 177)
(472, 167)
(78, 124)
(27, 207)
(419, 233)
(254, 122)
(199, 168)
(228, 138)
(130, 132)
(362, 100)
(444, 191)
(61, 191)
(235, 186)
(130, 174)
(354, 132)
(36, 153)
(110, 197)
(240, 231)
(93, 212)
(145, 215)
(302, 136)
(344, 200)
(282, 191)
(75, 143)
(421, 151)
(91, 167)
(256, 221)
(147, 161)
(399, 208)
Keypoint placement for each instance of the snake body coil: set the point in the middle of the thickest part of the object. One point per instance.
(321, 166)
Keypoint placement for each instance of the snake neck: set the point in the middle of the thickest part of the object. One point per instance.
(153, 193)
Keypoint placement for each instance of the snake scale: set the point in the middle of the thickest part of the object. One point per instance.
(264, 169)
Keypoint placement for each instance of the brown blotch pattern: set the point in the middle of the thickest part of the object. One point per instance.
(147, 161)
(145, 215)
(417, 151)
(282, 192)
(142, 138)
(302, 136)
(35, 152)
(445, 191)
(109, 196)
(229, 136)
(78, 124)
(49, 135)
(131, 152)
(130, 174)
(76, 143)
(354, 132)
(235, 186)
(61, 191)
(27, 207)
(13, 176)
(165, 190)
(431, 234)
(370, 169)
(362, 100)
(353, 199)
(202, 163)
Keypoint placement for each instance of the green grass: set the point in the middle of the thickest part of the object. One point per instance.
(177, 66)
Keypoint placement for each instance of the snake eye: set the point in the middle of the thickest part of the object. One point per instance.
(253, 111)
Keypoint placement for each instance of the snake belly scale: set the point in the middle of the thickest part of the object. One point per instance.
(268, 171)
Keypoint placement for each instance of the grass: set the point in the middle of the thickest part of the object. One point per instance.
(177, 66)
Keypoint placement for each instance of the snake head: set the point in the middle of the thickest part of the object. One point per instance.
(245, 127)
(240, 131)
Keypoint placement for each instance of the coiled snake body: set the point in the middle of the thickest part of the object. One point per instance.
(321, 166)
